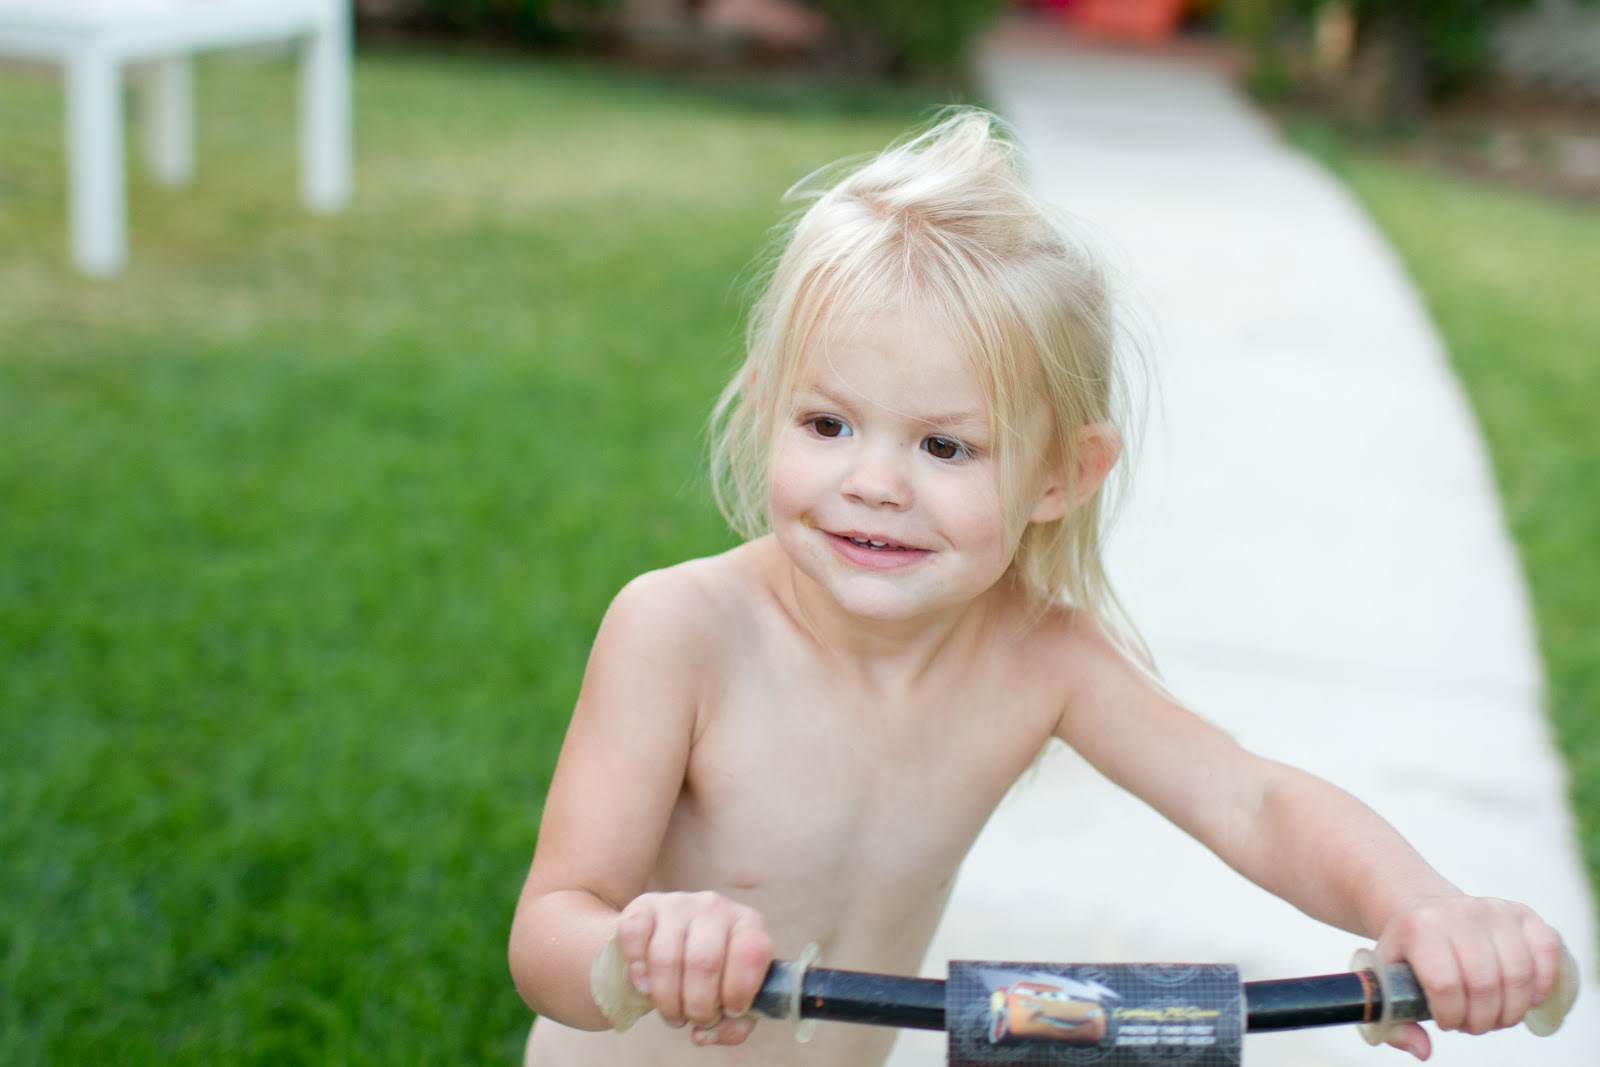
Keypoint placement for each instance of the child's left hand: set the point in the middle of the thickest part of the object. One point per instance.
(1482, 963)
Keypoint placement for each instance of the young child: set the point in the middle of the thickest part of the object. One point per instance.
(798, 740)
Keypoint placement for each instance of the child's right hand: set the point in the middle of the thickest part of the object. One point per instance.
(700, 957)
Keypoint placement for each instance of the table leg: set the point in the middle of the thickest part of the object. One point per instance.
(97, 185)
(325, 112)
(167, 119)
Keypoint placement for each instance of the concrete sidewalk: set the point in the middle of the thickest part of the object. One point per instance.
(1312, 546)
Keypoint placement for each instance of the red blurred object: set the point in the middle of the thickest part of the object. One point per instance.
(1123, 20)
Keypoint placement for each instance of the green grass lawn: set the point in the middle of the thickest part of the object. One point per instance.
(306, 523)
(1513, 283)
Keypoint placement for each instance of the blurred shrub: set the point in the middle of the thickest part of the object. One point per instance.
(902, 38)
(1446, 42)
(1406, 52)
(522, 20)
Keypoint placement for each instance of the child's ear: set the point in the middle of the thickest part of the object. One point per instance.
(1099, 447)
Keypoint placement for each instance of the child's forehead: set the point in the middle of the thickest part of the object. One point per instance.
(907, 337)
(898, 362)
(892, 350)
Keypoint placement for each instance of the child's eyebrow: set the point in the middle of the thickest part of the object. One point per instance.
(964, 421)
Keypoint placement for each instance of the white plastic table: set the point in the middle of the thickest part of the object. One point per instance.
(94, 40)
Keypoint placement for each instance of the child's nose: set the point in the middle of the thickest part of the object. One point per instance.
(877, 479)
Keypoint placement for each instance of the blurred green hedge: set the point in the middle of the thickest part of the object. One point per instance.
(522, 20)
(876, 38)
(908, 37)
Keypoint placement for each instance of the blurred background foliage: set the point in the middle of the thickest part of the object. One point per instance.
(897, 39)
(907, 37)
(1387, 59)
(1383, 62)
(528, 21)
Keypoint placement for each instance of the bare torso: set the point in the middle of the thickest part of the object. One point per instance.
(836, 801)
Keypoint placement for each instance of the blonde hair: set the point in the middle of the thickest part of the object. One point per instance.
(940, 225)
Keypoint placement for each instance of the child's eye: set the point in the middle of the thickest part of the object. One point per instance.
(827, 426)
(944, 448)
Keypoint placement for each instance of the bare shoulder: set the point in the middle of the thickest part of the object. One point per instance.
(689, 610)
(696, 593)
(1083, 650)
(1091, 671)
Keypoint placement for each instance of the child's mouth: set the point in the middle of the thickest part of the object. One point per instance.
(877, 553)
(877, 546)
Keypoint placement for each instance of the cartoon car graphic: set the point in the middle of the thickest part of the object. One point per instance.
(1045, 1010)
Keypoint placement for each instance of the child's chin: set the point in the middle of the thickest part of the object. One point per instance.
(882, 605)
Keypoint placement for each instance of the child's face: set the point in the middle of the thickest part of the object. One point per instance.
(884, 487)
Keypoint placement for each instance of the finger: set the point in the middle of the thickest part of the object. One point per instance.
(1545, 946)
(1518, 975)
(705, 953)
(1479, 968)
(749, 956)
(1412, 1038)
(635, 927)
(730, 1031)
(1438, 972)
(665, 967)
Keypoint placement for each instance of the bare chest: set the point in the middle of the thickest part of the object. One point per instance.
(843, 815)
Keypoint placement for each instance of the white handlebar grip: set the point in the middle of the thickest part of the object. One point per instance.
(1545, 1018)
(613, 991)
(803, 1028)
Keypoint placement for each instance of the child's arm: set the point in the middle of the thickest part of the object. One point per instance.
(621, 769)
(1482, 962)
